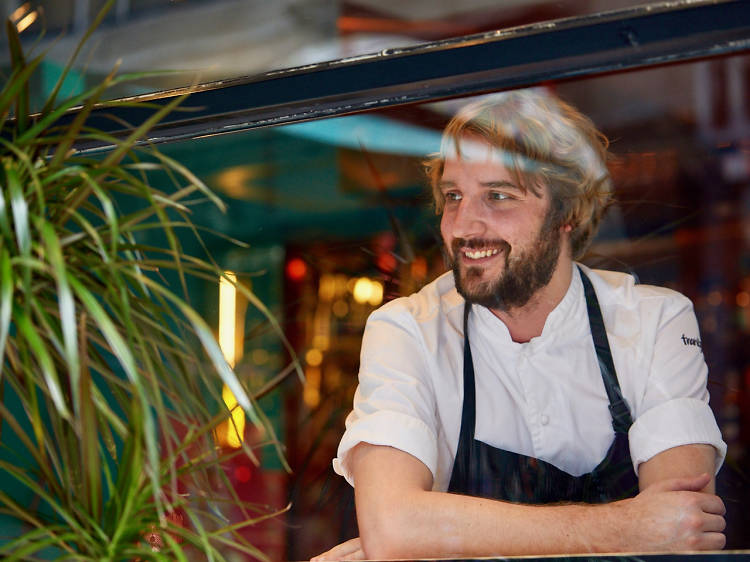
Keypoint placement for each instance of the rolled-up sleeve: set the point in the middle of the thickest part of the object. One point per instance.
(682, 421)
(674, 410)
(394, 404)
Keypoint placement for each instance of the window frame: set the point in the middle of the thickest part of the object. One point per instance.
(632, 38)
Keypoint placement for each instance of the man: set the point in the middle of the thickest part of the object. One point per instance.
(525, 404)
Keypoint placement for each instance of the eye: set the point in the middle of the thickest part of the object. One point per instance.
(452, 196)
(498, 196)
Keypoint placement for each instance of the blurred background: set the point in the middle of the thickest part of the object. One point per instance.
(223, 39)
(338, 218)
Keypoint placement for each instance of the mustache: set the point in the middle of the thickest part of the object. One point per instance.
(457, 244)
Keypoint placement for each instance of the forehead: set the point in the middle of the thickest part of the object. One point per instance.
(458, 170)
(474, 148)
(474, 158)
(476, 161)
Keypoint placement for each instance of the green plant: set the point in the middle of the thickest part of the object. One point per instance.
(110, 382)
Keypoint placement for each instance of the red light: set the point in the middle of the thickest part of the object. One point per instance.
(296, 269)
(386, 262)
(242, 474)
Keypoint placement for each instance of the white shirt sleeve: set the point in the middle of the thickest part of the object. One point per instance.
(674, 409)
(394, 404)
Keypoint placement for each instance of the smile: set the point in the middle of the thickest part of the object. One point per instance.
(480, 254)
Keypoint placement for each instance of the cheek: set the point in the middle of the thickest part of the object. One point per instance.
(445, 227)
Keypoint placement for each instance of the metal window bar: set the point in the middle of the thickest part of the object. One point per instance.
(638, 37)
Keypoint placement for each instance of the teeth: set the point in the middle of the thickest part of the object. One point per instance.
(479, 254)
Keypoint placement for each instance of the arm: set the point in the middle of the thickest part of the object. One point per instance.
(399, 516)
(679, 462)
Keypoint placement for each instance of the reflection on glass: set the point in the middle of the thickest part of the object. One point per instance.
(259, 36)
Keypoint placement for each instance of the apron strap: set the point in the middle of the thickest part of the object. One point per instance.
(468, 412)
(621, 418)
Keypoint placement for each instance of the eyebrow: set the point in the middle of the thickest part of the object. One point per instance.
(447, 184)
(500, 183)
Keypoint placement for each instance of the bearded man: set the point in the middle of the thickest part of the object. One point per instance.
(523, 403)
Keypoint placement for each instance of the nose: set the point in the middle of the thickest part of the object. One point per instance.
(466, 220)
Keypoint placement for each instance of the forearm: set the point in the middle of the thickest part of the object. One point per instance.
(400, 517)
(679, 462)
(435, 524)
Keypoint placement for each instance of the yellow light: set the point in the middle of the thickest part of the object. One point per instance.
(234, 431)
(27, 21)
(311, 392)
(314, 357)
(327, 287)
(376, 293)
(367, 291)
(227, 315)
(362, 290)
(350, 284)
(231, 432)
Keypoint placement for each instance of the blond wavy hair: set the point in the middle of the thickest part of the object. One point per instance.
(544, 141)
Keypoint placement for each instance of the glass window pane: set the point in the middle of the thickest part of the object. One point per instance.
(339, 220)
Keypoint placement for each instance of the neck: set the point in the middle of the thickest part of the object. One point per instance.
(527, 321)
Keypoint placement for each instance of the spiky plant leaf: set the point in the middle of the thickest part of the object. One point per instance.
(110, 389)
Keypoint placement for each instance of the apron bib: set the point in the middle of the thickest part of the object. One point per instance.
(485, 471)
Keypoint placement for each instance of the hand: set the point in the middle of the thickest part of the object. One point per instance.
(674, 514)
(349, 550)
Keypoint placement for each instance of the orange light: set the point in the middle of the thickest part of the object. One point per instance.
(714, 298)
(296, 269)
(327, 287)
(19, 12)
(314, 357)
(419, 268)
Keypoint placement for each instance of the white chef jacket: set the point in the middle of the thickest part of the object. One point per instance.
(544, 398)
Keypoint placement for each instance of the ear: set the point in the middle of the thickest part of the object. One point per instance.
(565, 239)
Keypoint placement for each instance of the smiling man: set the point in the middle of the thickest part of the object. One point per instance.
(523, 403)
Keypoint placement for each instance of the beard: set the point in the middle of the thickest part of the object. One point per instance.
(523, 273)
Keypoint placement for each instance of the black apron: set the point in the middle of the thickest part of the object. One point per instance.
(485, 471)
